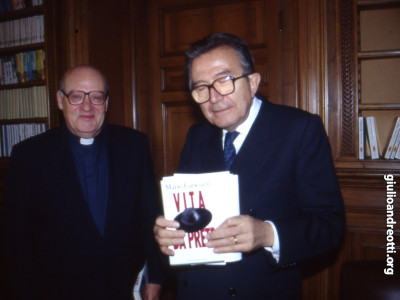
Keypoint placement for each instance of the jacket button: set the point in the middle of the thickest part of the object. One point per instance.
(252, 212)
(185, 283)
(232, 292)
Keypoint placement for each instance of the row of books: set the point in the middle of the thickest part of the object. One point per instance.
(10, 5)
(23, 103)
(23, 31)
(22, 67)
(12, 134)
(367, 128)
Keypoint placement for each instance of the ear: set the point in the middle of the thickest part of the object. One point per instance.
(107, 103)
(254, 80)
(60, 96)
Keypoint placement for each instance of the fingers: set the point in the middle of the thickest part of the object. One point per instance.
(229, 228)
(227, 237)
(166, 237)
(241, 233)
(162, 222)
(228, 244)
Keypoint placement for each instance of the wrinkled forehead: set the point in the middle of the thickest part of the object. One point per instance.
(215, 63)
(84, 78)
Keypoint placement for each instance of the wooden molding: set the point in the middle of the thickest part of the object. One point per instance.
(348, 78)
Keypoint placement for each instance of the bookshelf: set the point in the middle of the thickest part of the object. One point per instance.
(27, 75)
(377, 71)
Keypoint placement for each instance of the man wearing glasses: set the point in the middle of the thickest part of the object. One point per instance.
(290, 202)
(81, 202)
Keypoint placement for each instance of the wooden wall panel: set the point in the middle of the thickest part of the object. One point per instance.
(173, 79)
(177, 117)
(184, 25)
(114, 36)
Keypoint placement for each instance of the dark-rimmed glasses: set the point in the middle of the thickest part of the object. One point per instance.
(77, 97)
(223, 86)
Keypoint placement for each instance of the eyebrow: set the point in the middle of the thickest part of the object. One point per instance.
(216, 76)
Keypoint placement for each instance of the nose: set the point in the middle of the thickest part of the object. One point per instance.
(215, 96)
(86, 102)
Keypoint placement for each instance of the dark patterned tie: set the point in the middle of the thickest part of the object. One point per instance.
(229, 149)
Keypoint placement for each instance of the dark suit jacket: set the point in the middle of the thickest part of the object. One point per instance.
(286, 175)
(52, 247)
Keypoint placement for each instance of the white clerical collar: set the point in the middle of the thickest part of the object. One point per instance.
(84, 141)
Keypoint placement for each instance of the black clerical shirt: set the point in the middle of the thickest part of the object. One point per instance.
(91, 165)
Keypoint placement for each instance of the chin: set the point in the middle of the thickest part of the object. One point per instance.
(224, 125)
(88, 133)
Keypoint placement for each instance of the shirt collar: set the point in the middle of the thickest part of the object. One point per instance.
(244, 128)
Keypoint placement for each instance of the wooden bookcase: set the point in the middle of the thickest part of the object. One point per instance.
(370, 61)
(51, 118)
(364, 48)
(48, 84)
(378, 65)
(27, 101)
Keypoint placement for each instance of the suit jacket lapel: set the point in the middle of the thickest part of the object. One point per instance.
(212, 150)
(258, 146)
(117, 158)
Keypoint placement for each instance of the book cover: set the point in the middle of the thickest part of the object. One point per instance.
(200, 203)
(395, 146)
(137, 286)
(361, 137)
(392, 140)
(18, 4)
(396, 149)
(372, 137)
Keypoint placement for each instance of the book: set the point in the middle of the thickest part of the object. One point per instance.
(392, 139)
(361, 138)
(200, 203)
(395, 146)
(396, 149)
(372, 137)
(137, 286)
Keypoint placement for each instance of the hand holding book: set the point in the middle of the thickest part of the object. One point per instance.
(166, 237)
(241, 234)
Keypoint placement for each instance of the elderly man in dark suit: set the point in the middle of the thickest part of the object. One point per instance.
(290, 202)
(81, 201)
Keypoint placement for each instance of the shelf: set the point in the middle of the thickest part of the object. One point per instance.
(21, 48)
(368, 167)
(22, 85)
(21, 13)
(380, 3)
(20, 121)
(379, 106)
(379, 54)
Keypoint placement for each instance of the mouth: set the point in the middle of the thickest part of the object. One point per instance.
(220, 110)
(86, 117)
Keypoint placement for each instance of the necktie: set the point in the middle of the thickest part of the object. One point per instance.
(229, 149)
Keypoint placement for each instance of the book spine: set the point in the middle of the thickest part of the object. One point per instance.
(372, 137)
(392, 140)
(396, 146)
(361, 138)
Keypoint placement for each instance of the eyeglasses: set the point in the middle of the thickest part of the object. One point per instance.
(77, 97)
(223, 86)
